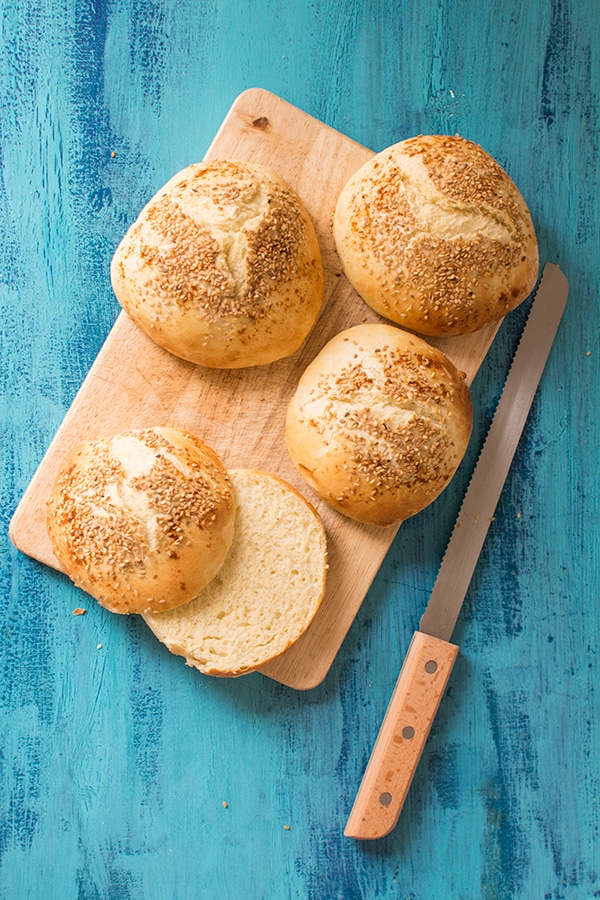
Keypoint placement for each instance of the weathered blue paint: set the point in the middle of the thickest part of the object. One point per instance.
(116, 759)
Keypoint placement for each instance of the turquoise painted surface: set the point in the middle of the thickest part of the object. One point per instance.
(116, 759)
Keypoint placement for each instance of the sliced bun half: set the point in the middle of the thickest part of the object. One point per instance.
(268, 590)
(141, 521)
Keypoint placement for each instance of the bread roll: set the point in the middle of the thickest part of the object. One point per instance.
(268, 590)
(222, 267)
(379, 423)
(141, 521)
(433, 234)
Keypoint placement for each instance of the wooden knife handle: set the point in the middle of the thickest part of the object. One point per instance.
(402, 736)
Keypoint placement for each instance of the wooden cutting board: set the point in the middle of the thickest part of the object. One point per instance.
(241, 413)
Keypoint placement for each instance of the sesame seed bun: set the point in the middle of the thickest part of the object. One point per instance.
(433, 235)
(142, 521)
(222, 267)
(379, 423)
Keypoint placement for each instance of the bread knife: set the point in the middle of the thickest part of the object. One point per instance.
(431, 655)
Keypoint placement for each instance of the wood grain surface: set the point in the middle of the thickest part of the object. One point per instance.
(125, 775)
(241, 413)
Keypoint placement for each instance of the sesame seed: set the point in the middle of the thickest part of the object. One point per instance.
(107, 541)
(190, 268)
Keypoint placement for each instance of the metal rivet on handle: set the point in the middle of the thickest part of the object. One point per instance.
(385, 799)
(408, 732)
(431, 667)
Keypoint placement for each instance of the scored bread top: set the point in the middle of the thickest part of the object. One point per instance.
(378, 424)
(143, 520)
(222, 267)
(268, 590)
(435, 236)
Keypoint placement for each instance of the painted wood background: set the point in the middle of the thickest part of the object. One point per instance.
(122, 773)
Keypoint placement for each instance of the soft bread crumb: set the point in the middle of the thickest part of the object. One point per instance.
(267, 591)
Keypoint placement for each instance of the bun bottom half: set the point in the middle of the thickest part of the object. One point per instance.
(268, 590)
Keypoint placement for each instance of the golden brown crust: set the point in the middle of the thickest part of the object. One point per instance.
(222, 267)
(141, 521)
(379, 423)
(435, 236)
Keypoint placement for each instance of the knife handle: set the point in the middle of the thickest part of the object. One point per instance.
(402, 736)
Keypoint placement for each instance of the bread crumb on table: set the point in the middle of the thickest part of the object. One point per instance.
(225, 804)
(79, 611)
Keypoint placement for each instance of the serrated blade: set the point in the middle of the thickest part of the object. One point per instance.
(496, 456)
